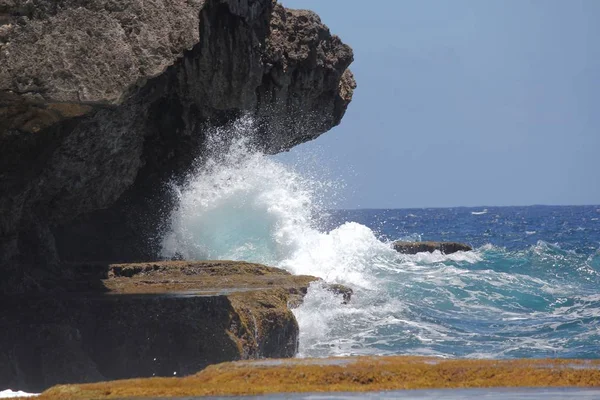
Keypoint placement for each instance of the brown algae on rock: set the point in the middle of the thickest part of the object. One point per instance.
(352, 374)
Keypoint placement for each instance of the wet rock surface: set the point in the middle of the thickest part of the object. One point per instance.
(150, 319)
(349, 374)
(420, 247)
(104, 102)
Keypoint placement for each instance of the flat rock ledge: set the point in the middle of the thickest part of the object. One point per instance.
(351, 374)
(151, 319)
(422, 247)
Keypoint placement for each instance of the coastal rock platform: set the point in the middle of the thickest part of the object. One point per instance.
(351, 374)
(151, 319)
(104, 104)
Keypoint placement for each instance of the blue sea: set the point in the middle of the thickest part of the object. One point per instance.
(530, 287)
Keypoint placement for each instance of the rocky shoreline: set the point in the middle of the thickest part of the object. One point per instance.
(103, 104)
(150, 319)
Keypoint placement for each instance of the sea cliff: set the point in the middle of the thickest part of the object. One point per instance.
(102, 102)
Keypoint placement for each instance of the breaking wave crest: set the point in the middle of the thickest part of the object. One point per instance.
(490, 302)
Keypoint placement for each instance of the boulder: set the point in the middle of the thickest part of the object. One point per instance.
(104, 102)
(421, 247)
(149, 319)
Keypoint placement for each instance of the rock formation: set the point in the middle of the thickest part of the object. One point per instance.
(420, 247)
(103, 101)
(150, 319)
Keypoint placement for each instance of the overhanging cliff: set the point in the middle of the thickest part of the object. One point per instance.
(103, 101)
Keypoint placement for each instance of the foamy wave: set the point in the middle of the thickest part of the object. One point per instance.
(330, 328)
(343, 255)
(243, 205)
(542, 247)
(414, 237)
(239, 205)
(439, 257)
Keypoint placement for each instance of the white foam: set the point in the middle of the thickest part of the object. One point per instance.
(436, 257)
(484, 211)
(8, 393)
(242, 205)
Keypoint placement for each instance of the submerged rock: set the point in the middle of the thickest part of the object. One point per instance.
(420, 247)
(102, 102)
(151, 319)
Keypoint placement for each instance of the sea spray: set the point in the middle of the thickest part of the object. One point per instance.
(524, 296)
(239, 204)
(243, 205)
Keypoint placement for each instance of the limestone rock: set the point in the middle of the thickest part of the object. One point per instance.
(420, 247)
(102, 102)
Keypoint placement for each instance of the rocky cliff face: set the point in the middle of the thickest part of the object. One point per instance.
(150, 319)
(103, 101)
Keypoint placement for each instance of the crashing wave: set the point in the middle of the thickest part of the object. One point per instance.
(490, 302)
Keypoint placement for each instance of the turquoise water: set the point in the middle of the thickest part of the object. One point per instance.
(530, 288)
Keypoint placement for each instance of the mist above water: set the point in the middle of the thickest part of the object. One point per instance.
(491, 302)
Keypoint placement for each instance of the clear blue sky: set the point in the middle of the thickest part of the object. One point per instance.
(465, 103)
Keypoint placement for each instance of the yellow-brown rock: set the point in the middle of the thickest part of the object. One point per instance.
(149, 319)
(344, 374)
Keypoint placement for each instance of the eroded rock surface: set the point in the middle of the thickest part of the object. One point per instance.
(103, 101)
(150, 319)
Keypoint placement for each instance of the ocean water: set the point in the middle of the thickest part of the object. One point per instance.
(530, 287)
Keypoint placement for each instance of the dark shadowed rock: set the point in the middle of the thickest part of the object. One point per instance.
(104, 101)
(420, 247)
(150, 319)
